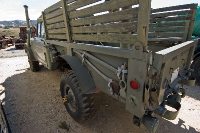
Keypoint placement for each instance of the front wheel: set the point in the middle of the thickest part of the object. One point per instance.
(34, 66)
(196, 66)
(78, 105)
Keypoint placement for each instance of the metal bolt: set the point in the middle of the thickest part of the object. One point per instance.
(64, 100)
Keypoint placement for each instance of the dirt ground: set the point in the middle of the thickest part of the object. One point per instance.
(33, 104)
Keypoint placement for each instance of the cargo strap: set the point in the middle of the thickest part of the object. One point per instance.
(121, 70)
(171, 115)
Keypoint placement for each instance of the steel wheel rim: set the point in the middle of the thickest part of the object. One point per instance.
(72, 101)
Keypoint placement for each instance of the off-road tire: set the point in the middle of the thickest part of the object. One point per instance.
(196, 66)
(84, 102)
(34, 66)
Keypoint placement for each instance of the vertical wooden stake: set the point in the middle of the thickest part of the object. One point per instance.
(189, 37)
(66, 21)
(187, 25)
(143, 22)
(45, 26)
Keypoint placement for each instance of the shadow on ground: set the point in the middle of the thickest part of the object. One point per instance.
(13, 48)
(33, 104)
(193, 92)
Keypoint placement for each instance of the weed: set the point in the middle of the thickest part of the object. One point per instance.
(64, 125)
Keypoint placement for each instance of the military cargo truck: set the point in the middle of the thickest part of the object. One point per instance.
(123, 48)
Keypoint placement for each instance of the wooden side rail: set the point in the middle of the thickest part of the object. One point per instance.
(172, 23)
(112, 21)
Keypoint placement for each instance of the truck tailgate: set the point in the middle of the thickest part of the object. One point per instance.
(171, 62)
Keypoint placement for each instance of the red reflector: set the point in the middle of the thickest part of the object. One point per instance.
(134, 84)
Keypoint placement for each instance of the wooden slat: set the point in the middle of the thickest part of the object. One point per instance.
(167, 34)
(56, 26)
(110, 17)
(113, 38)
(106, 6)
(54, 14)
(179, 7)
(53, 7)
(109, 28)
(175, 39)
(178, 18)
(57, 36)
(55, 20)
(80, 3)
(167, 24)
(56, 31)
(166, 29)
(166, 14)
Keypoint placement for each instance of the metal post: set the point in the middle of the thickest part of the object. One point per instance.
(143, 22)
(28, 24)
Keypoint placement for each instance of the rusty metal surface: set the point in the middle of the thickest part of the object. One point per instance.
(4, 41)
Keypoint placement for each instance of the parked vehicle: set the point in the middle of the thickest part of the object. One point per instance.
(196, 63)
(196, 58)
(112, 52)
(4, 126)
(20, 42)
(5, 41)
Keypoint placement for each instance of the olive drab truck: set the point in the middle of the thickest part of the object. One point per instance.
(123, 48)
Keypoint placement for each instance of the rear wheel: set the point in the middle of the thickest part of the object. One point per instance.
(78, 105)
(196, 66)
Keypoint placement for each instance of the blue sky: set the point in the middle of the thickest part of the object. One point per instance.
(13, 9)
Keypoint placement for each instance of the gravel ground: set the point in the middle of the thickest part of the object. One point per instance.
(12, 52)
(33, 104)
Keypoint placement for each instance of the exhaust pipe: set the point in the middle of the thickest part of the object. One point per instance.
(28, 25)
(151, 123)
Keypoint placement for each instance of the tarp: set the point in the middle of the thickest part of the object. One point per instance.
(196, 30)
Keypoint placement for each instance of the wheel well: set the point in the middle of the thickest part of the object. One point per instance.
(196, 56)
(81, 71)
(63, 64)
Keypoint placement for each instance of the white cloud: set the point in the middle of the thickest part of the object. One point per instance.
(14, 10)
(9, 9)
